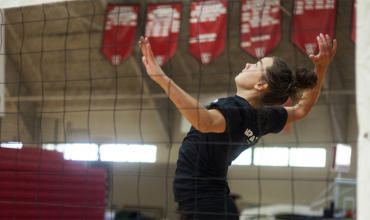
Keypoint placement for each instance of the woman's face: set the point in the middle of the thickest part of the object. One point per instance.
(252, 73)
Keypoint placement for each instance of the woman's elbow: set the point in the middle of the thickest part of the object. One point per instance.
(296, 114)
(301, 114)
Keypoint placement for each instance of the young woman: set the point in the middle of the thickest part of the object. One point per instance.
(230, 125)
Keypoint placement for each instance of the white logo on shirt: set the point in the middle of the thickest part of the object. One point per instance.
(250, 135)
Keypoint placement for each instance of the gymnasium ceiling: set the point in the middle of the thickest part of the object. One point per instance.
(53, 54)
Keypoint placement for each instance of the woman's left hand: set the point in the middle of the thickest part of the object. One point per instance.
(327, 50)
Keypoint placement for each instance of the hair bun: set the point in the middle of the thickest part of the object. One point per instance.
(283, 83)
(304, 79)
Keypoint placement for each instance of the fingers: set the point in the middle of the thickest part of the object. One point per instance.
(327, 49)
(142, 46)
(334, 49)
(144, 60)
(146, 50)
(327, 46)
(328, 41)
(150, 51)
(320, 42)
(331, 45)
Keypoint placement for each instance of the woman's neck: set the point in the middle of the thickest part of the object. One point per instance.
(251, 96)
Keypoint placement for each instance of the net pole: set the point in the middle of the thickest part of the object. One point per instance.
(2, 63)
(363, 106)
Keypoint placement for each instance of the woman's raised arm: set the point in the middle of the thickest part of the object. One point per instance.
(202, 119)
(327, 49)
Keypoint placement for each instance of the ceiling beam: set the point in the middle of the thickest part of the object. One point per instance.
(157, 95)
(24, 3)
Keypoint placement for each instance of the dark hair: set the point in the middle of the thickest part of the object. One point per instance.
(283, 83)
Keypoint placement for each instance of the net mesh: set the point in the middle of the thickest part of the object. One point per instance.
(60, 89)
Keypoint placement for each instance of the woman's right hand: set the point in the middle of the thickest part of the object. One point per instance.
(151, 65)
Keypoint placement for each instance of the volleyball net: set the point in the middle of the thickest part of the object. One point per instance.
(86, 134)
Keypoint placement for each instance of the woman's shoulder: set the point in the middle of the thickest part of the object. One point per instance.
(230, 102)
(233, 99)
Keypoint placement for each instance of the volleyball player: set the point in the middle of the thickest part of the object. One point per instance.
(228, 126)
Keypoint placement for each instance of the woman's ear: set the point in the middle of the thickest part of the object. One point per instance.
(261, 86)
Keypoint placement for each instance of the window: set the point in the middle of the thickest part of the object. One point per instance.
(271, 156)
(293, 157)
(245, 158)
(76, 151)
(107, 152)
(343, 154)
(14, 145)
(307, 157)
(342, 158)
(128, 153)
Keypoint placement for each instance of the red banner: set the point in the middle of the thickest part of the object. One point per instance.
(260, 26)
(207, 29)
(162, 29)
(312, 17)
(353, 34)
(119, 32)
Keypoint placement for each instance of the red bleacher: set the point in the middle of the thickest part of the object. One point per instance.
(40, 184)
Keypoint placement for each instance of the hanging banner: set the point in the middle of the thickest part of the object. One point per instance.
(353, 34)
(260, 26)
(312, 17)
(162, 29)
(119, 32)
(207, 29)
